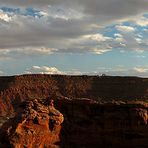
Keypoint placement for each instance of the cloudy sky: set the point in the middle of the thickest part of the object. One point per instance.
(74, 37)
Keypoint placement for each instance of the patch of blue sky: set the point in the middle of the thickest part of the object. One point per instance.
(109, 31)
(140, 31)
(32, 12)
(10, 10)
(89, 62)
(127, 24)
(26, 12)
(82, 62)
(146, 15)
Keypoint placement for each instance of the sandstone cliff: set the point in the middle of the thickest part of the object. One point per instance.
(34, 126)
(15, 89)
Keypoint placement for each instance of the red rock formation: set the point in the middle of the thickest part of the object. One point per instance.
(38, 126)
(15, 89)
(90, 124)
(86, 124)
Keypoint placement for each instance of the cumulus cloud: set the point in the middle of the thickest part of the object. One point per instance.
(125, 28)
(118, 35)
(51, 70)
(27, 31)
(43, 70)
(139, 20)
(141, 70)
(100, 51)
(35, 28)
(69, 26)
(96, 37)
(142, 21)
(9, 54)
(129, 38)
(34, 51)
(4, 17)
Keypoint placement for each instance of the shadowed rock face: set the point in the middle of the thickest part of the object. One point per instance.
(36, 126)
(90, 124)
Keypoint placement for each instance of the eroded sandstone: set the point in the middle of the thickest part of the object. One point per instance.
(35, 126)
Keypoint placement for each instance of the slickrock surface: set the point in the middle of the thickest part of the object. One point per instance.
(36, 126)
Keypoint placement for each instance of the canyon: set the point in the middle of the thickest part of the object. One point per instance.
(94, 111)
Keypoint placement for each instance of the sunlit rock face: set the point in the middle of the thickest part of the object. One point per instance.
(35, 126)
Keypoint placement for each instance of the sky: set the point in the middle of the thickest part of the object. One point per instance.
(74, 37)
